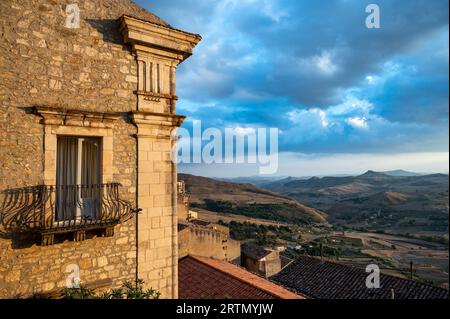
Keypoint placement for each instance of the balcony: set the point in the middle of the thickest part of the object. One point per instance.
(51, 210)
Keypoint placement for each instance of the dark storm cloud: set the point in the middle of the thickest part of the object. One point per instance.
(302, 66)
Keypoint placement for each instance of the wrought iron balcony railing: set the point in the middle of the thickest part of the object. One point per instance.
(60, 209)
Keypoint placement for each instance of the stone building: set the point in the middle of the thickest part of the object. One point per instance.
(201, 238)
(260, 260)
(87, 115)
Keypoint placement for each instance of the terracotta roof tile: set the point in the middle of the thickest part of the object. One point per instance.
(285, 261)
(329, 280)
(206, 278)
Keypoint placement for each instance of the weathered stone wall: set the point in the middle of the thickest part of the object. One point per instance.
(182, 208)
(206, 242)
(35, 270)
(272, 264)
(234, 251)
(251, 264)
(183, 241)
(220, 228)
(42, 63)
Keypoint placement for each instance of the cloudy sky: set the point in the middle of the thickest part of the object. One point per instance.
(345, 98)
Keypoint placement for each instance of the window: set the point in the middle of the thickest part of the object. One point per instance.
(78, 189)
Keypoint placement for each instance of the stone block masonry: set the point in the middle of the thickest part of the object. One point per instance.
(89, 82)
(33, 270)
(204, 241)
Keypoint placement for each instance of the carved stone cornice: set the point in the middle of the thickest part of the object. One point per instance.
(151, 118)
(156, 39)
(156, 125)
(81, 118)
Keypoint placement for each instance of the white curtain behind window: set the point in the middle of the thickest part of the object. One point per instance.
(66, 177)
(90, 178)
(90, 163)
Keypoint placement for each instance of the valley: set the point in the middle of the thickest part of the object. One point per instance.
(390, 219)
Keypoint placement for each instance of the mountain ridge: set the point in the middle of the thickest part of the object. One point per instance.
(413, 203)
(246, 199)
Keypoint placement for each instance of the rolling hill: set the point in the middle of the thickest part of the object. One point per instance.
(248, 200)
(405, 203)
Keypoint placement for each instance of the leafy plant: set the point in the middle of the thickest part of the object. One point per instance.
(128, 290)
(78, 293)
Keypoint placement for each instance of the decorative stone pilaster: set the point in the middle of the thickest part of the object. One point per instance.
(157, 236)
(158, 51)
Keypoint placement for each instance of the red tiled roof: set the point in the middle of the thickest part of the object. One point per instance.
(206, 278)
(330, 280)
